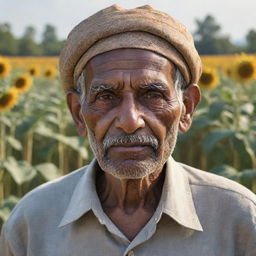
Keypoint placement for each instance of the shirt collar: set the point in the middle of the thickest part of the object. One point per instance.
(176, 199)
(84, 196)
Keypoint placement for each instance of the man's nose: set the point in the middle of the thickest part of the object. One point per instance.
(130, 117)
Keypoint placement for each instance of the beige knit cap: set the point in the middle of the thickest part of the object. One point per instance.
(140, 28)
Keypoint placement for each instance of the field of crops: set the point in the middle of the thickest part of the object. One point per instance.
(38, 141)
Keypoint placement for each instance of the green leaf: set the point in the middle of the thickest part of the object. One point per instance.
(52, 119)
(247, 109)
(253, 126)
(226, 96)
(14, 143)
(6, 121)
(244, 122)
(44, 131)
(204, 122)
(48, 170)
(73, 142)
(29, 123)
(21, 171)
(227, 114)
(248, 178)
(214, 137)
(226, 171)
(201, 122)
(216, 109)
(7, 205)
(243, 147)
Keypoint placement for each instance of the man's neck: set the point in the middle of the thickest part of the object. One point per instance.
(130, 195)
(130, 203)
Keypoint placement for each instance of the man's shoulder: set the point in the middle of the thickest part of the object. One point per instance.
(46, 198)
(212, 183)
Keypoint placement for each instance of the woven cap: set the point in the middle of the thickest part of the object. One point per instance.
(140, 28)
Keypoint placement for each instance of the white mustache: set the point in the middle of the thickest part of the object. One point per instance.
(122, 140)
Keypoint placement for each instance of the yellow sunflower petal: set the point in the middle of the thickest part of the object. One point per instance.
(8, 100)
(5, 67)
(244, 69)
(34, 71)
(50, 72)
(23, 83)
(209, 79)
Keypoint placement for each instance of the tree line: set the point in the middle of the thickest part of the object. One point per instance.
(50, 45)
(208, 40)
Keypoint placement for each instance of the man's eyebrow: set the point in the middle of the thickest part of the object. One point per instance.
(159, 86)
(99, 87)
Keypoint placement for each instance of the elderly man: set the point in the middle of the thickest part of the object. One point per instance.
(130, 78)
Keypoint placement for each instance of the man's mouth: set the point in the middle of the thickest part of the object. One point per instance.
(130, 142)
(129, 148)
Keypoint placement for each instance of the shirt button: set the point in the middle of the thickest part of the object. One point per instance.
(130, 253)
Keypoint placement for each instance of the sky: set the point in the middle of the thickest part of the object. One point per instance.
(235, 17)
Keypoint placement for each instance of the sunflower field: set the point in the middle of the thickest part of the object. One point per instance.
(38, 141)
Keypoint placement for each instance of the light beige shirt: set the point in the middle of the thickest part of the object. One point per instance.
(199, 214)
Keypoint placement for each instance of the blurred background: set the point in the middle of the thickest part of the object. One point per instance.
(38, 141)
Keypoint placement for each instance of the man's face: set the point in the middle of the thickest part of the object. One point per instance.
(131, 111)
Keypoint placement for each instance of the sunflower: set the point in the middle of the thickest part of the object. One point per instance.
(227, 71)
(5, 67)
(22, 83)
(34, 71)
(244, 69)
(209, 79)
(8, 100)
(50, 72)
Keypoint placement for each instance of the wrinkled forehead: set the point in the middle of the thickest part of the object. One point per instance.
(128, 60)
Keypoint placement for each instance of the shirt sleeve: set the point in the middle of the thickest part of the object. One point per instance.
(247, 232)
(5, 249)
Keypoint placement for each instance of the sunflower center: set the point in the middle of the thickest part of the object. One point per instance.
(4, 100)
(245, 70)
(206, 78)
(32, 71)
(20, 82)
(48, 73)
(2, 68)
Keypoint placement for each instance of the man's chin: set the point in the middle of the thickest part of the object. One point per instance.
(130, 168)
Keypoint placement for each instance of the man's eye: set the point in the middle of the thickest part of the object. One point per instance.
(153, 95)
(105, 96)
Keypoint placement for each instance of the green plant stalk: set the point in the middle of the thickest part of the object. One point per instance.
(61, 156)
(203, 161)
(236, 105)
(253, 188)
(1, 185)
(2, 139)
(28, 151)
(19, 192)
(12, 133)
(61, 152)
(236, 160)
(2, 156)
(234, 155)
(7, 185)
(80, 161)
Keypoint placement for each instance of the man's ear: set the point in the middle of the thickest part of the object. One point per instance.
(191, 98)
(75, 109)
